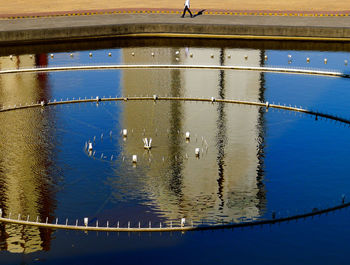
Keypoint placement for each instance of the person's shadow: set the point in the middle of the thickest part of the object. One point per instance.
(199, 13)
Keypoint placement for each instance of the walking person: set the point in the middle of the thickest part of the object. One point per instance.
(187, 8)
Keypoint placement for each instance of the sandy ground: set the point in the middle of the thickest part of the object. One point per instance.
(35, 6)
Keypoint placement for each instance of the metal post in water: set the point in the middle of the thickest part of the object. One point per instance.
(273, 215)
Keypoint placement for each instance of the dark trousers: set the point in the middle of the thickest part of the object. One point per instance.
(186, 9)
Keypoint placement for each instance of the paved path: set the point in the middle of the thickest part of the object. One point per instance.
(288, 6)
(35, 21)
(122, 19)
(65, 28)
(208, 11)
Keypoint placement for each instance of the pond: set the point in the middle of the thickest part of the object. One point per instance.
(253, 162)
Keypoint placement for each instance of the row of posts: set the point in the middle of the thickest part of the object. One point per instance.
(182, 221)
(86, 222)
(191, 55)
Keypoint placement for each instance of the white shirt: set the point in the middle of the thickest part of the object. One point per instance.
(187, 3)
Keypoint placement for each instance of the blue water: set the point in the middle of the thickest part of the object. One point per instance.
(304, 163)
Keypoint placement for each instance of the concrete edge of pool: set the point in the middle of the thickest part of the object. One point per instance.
(70, 28)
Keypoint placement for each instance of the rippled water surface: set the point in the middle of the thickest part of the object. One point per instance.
(253, 163)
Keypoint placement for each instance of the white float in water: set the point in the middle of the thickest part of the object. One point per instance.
(134, 159)
(308, 59)
(147, 144)
(183, 221)
(109, 54)
(90, 54)
(187, 134)
(86, 221)
(197, 152)
(325, 61)
(125, 132)
(90, 147)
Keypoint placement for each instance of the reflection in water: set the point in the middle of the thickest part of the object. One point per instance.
(26, 156)
(175, 147)
(180, 187)
(261, 195)
(224, 183)
(221, 132)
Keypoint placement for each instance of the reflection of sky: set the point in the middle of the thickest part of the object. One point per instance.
(324, 94)
(305, 162)
(77, 128)
(320, 93)
(85, 83)
(335, 60)
(304, 149)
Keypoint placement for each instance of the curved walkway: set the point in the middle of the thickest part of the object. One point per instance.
(91, 12)
(70, 26)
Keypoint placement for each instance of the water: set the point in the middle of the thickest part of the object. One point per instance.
(252, 162)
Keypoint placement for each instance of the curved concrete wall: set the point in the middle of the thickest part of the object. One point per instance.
(112, 26)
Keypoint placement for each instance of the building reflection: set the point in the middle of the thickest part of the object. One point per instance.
(226, 183)
(25, 156)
